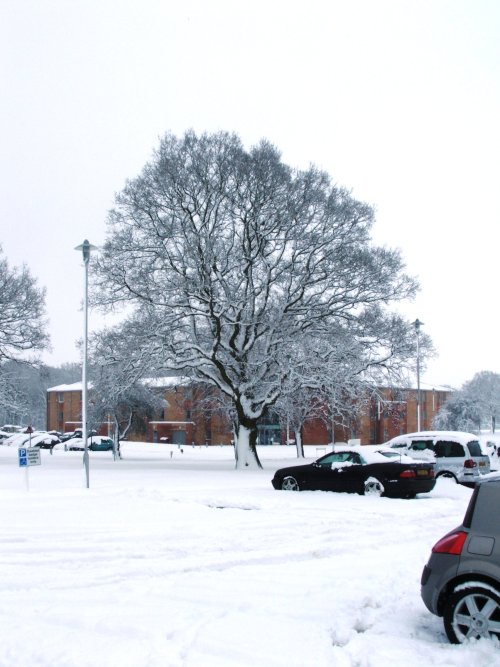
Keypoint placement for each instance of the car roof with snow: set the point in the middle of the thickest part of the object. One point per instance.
(460, 436)
(377, 454)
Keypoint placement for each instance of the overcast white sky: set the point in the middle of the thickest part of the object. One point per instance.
(399, 100)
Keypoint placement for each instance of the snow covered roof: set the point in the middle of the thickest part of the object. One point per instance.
(460, 436)
(163, 382)
(76, 386)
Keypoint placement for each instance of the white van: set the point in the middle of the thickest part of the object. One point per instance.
(456, 454)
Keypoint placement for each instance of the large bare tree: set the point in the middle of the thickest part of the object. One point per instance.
(23, 331)
(230, 256)
(22, 308)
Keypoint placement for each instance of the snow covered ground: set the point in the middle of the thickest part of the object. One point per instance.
(175, 559)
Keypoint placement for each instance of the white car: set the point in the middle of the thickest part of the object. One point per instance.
(457, 454)
(23, 439)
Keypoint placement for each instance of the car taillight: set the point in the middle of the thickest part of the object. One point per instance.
(469, 463)
(408, 474)
(451, 544)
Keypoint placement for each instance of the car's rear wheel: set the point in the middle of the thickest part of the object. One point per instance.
(290, 484)
(472, 613)
(448, 475)
(373, 487)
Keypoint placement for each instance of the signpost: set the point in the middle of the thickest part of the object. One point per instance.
(29, 456)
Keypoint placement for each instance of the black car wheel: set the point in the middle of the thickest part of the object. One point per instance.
(447, 474)
(290, 484)
(472, 613)
(373, 487)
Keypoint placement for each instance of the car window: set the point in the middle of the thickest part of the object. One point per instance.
(420, 445)
(338, 457)
(449, 449)
(474, 448)
(327, 460)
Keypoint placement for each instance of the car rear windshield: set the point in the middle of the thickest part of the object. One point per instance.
(470, 509)
(449, 449)
(474, 448)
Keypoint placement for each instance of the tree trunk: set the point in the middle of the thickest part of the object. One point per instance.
(245, 446)
(116, 440)
(298, 443)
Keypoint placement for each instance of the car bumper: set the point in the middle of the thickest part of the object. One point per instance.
(411, 487)
(437, 573)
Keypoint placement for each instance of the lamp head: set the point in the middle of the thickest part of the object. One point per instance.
(86, 247)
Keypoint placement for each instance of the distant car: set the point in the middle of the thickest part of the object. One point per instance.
(12, 428)
(457, 454)
(95, 443)
(77, 433)
(461, 580)
(100, 443)
(24, 439)
(43, 440)
(489, 446)
(366, 470)
(3, 436)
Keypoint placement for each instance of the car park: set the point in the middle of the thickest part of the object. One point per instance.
(461, 580)
(457, 455)
(365, 470)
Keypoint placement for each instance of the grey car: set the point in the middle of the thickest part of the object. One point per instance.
(461, 581)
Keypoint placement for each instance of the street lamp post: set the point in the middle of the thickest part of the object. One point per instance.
(417, 324)
(85, 247)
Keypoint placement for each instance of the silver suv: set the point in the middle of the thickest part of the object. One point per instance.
(456, 454)
(461, 581)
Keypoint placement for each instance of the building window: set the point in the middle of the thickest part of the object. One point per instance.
(60, 397)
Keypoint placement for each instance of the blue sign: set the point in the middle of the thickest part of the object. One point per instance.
(29, 457)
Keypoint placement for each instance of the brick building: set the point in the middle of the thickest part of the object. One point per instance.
(191, 416)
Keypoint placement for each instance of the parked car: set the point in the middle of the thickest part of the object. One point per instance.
(43, 440)
(99, 443)
(12, 428)
(461, 580)
(457, 454)
(77, 433)
(24, 439)
(365, 470)
(95, 443)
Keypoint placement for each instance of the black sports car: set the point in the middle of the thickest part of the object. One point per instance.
(364, 470)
